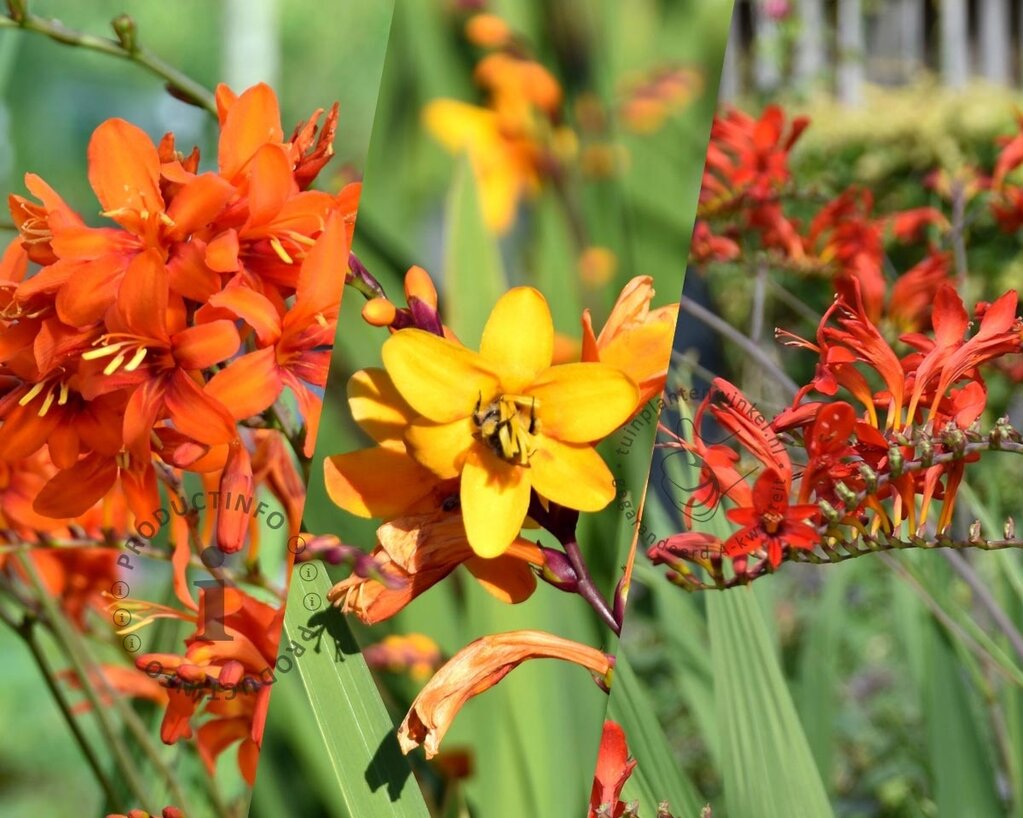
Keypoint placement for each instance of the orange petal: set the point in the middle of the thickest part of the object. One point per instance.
(251, 121)
(197, 203)
(376, 482)
(270, 184)
(204, 345)
(507, 578)
(249, 384)
(254, 308)
(74, 491)
(222, 252)
(124, 170)
(142, 296)
(197, 413)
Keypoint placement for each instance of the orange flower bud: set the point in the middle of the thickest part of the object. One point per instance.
(379, 312)
(418, 284)
(487, 31)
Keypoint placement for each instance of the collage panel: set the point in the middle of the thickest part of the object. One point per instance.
(166, 319)
(529, 194)
(826, 619)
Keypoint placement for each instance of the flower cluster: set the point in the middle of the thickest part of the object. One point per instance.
(883, 434)
(141, 345)
(160, 378)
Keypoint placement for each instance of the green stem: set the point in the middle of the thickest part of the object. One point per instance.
(180, 85)
(26, 631)
(73, 649)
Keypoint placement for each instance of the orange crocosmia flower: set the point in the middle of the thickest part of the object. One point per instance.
(476, 668)
(294, 342)
(416, 552)
(614, 766)
(771, 524)
(635, 339)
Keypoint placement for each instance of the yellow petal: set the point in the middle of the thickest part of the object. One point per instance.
(578, 403)
(507, 578)
(376, 482)
(495, 498)
(441, 380)
(441, 447)
(518, 340)
(377, 407)
(571, 474)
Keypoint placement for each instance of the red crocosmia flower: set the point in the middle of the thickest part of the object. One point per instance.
(914, 292)
(613, 769)
(771, 524)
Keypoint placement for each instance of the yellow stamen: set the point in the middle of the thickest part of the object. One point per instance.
(275, 243)
(111, 367)
(63, 394)
(101, 352)
(136, 359)
(29, 396)
(47, 403)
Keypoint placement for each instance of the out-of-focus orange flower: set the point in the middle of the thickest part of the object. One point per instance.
(478, 667)
(635, 339)
(412, 653)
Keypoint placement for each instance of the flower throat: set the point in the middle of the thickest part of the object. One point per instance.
(507, 424)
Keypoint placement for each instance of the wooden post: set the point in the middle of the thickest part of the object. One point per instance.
(851, 52)
(955, 54)
(252, 50)
(810, 49)
(995, 50)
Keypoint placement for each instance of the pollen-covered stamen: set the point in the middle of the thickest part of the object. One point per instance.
(278, 248)
(120, 350)
(507, 424)
(55, 390)
(771, 521)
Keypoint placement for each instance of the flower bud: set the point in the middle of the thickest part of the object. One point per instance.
(558, 571)
(895, 461)
(418, 284)
(127, 32)
(379, 312)
(487, 31)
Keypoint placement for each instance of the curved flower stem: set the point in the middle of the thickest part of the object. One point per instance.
(561, 522)
(126, 48)
(726, 330)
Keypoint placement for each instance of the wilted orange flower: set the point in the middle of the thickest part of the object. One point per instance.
(476, 668)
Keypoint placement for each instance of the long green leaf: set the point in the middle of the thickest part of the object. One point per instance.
(356, 734)
(656, 778)
(767, 766)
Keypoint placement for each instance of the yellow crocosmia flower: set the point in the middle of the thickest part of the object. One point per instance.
(503, 163)
(505, 421)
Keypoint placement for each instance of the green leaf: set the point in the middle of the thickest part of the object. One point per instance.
(962, 768)
(767, 767)
(473, 275)
(356, 735)
(656, 777)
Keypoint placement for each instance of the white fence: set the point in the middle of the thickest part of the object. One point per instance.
(840, 44)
